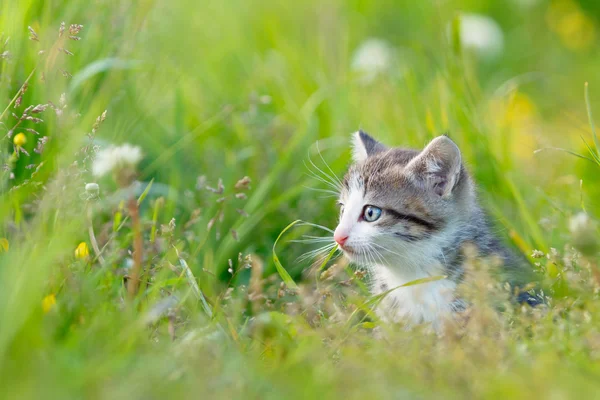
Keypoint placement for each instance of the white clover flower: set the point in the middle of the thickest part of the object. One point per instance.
(115, 158)
(92, 191)
(92, 188)
(579, 223)
(584, 235)
(371, 58)
(481, 34)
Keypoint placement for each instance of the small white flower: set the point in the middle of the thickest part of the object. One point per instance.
(584, 234)
(115, 158)
(537, 254)
(579, 223)
(481, 34)
(92, 191)
(92, 188)
(373, 57)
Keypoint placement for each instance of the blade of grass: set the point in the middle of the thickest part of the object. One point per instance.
(363, 287)
(282, 272)
(145, 192)
(185, 140)
(581, 196)
(326, 260)
(533, 228)
(372, 303)
(564, 150)
(16, 95)
(157, 205)
(591, 118)
(591, 151)
(455, 34)
(194, 285)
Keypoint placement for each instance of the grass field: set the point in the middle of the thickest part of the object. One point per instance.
(161, 282)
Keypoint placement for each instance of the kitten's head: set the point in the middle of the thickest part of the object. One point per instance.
(395, 200)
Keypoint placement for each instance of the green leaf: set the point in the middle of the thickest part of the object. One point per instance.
(282, 272)
(591, 151)
(145, 192)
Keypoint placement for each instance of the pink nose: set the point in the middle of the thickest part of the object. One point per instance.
(340, 237)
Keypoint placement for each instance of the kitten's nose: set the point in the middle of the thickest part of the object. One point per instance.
(340, 237)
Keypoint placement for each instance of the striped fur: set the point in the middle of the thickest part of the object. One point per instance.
(429, 212)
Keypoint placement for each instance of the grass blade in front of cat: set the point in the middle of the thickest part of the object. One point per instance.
(285, 276)
(326, 260)
(369, 306)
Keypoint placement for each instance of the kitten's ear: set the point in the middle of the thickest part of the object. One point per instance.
(364, 146)
(438, 166)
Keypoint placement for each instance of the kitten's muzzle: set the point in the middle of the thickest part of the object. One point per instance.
(340, 238)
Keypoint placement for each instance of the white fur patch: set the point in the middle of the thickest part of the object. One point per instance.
(429, 302)
(359, 153)
(353, 207)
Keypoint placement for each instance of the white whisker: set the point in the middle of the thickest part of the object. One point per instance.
(333, 174)
(388, 250)
(316, 226)
(313, 253)
(330, 192)
(321, 179)
(313, 240)
(323, 176)
(332, 179)
(378, 254)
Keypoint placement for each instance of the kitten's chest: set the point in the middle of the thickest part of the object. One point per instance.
(429, 302)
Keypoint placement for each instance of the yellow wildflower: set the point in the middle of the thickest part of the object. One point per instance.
(576, 30)
(48, 302)
(82, 251)
(20, 139)
(3, 244)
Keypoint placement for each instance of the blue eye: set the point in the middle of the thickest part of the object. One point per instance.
(371, 213)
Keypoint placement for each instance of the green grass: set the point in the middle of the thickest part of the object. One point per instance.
(228, 89)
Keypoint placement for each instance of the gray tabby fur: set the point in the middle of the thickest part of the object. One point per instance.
(430, 212)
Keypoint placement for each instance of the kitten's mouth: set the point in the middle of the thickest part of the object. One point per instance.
(359, 256)
(349, 250)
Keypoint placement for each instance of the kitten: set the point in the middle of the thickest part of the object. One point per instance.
(406, 214)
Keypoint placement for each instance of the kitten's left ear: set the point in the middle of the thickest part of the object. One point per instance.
(364, 146)
(438, 166)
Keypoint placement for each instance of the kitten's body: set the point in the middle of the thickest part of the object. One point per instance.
(427, 211)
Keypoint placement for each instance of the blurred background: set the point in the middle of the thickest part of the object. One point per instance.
(218, 90)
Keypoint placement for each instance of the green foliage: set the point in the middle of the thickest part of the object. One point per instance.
(164, 281)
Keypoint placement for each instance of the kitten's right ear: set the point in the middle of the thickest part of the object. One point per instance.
(364, 146)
